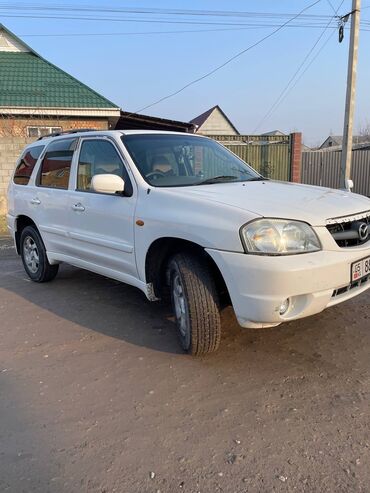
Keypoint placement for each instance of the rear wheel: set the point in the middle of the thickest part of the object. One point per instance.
(34, 257)
(195, 304)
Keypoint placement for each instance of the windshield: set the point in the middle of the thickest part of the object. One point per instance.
(167, 160)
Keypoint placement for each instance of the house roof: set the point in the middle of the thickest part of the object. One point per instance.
(29, 81)
(199, 120)
(338, 139)
(274, 132)
(129, 120)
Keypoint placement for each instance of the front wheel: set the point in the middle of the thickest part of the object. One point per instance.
(195, 304)
(34, 257)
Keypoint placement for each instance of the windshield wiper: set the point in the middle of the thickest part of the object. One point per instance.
(217, 179)
(258, 178)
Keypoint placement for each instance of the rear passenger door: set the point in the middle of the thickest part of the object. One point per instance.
(102, 225)
(49, 200)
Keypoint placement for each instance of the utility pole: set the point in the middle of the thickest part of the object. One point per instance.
(350, 96)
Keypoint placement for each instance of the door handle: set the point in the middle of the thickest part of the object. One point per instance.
(35, 201)
(78, 207)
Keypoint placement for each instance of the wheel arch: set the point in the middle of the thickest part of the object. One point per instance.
(22, 221)
(159, 254)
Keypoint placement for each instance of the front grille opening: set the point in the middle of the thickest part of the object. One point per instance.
(347, 233)
(352, 285)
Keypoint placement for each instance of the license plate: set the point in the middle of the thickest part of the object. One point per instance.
(360, 269)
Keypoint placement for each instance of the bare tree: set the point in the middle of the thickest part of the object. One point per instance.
(364, 130)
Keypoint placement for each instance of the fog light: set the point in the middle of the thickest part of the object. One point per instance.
(284, 307)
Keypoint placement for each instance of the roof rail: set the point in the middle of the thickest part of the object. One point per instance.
(64, 132)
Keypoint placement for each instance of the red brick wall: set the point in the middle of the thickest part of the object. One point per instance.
(296, 157)
(17, 127)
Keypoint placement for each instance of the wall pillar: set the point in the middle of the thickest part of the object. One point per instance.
(295, 156)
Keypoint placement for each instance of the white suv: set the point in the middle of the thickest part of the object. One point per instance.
(179, 214)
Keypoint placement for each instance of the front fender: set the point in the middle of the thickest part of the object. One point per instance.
(170, 214)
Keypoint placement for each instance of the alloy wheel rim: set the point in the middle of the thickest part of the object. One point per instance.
(31, 254)
(179, 304)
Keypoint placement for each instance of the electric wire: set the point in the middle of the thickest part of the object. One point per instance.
(190, 31)
(287, 87)
(229, 60)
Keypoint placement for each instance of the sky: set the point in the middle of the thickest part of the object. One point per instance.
(135, 70)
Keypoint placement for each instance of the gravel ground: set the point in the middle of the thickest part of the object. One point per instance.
(96, 396)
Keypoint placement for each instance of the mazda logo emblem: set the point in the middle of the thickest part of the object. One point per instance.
(363, 231)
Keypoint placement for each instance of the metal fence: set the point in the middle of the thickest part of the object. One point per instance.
(268, 154)
(323, 168)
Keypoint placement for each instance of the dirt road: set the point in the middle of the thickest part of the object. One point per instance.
(96, 396)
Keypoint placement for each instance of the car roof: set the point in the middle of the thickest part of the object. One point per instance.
(90, 133)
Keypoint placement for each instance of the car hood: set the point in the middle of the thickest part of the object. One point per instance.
(283, 200)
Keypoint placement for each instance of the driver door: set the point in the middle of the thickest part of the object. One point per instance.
(102, 225)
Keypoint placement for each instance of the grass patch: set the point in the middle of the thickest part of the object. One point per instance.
(3, 227)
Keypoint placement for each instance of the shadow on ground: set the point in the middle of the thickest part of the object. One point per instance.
(123, 312)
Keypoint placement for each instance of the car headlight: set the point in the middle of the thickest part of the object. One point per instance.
(279, 237)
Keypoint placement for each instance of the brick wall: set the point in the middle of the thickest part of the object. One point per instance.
(17, 127)
(10, 149)
(13, 138)
(296, 157)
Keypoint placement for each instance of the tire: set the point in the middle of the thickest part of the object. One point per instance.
(34, 257)
(195, 304)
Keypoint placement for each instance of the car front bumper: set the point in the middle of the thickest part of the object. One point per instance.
(314, 281)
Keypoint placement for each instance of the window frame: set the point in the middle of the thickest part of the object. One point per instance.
(129, 189)
(53, 129)
(42, 157)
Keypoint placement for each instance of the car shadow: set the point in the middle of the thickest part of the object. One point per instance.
(103, 305)
(123, 312)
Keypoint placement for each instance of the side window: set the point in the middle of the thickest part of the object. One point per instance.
(56, 165)
(26, 164)
(99, 157)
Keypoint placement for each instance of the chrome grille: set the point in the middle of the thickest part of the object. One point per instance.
(350, 230)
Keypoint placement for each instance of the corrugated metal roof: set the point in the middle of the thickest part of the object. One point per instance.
(129, 120)
(29, 80)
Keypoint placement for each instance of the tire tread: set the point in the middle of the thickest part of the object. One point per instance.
(203, 303)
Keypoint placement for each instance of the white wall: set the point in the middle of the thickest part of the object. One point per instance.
(216, 124)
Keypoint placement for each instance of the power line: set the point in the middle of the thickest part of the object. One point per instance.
(148, 32)
(234, 24)
(287, 86)
(331, 5)
(219, 67)
(136, 33)
(309, 65)
(11, 7)
(137, 20)
(153, 11)
(315, 19)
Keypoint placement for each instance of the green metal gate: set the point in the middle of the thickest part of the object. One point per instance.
(268, 154)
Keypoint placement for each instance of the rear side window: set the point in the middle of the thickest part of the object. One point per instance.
(56, 165)
(26, 164)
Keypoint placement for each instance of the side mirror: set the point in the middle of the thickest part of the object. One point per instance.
(107, 183)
